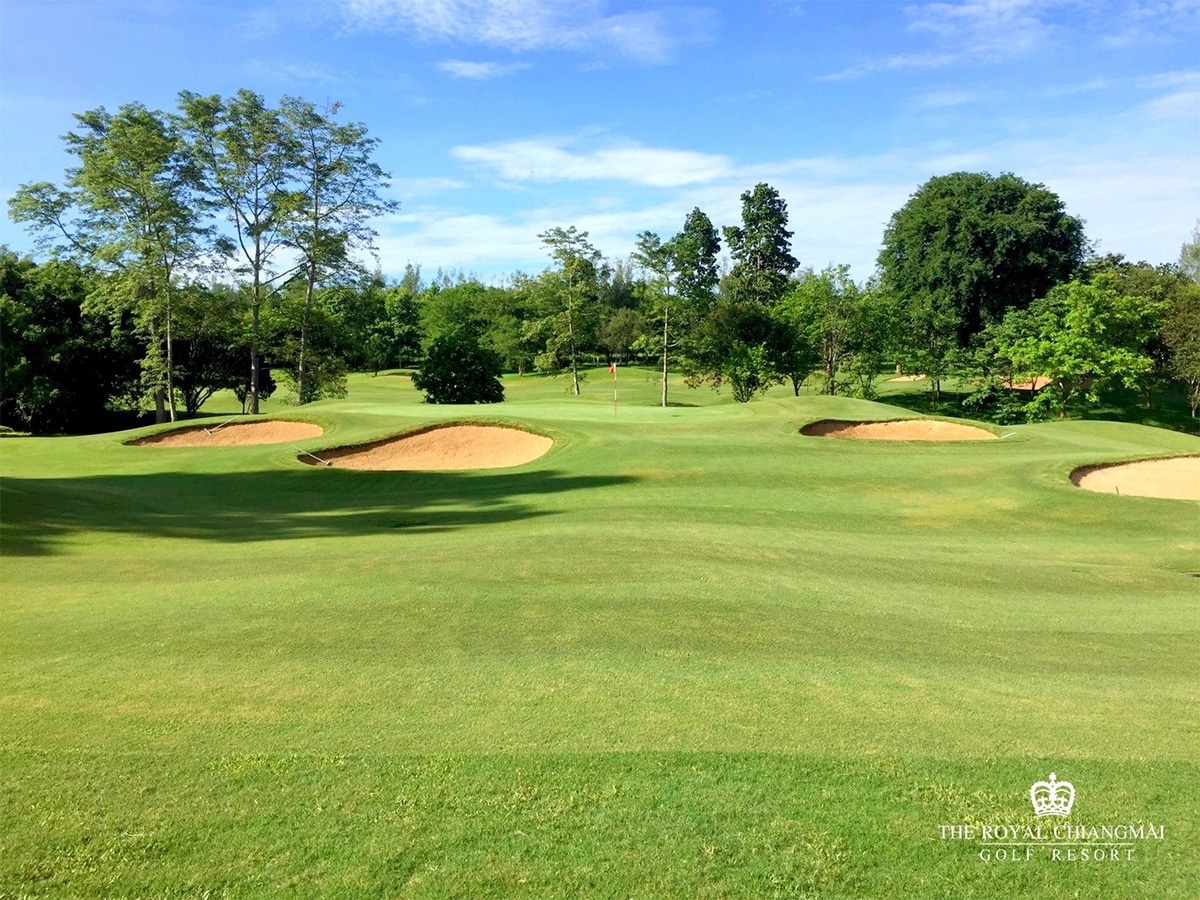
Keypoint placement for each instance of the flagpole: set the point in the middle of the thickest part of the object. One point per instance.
(613, 368)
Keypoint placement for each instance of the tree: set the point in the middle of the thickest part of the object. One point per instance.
(212, 344)
(1189, 257)
(761, 248)
(660, 261)
(1082, 336)
(329, 210)
(569, 304)
(739, 343)
(458, 370)
(1181, 333)
(875, 339)
(128, 208)
(964, 250)
(824, 310)
(696, 270)
(62, 368)
(244, 154)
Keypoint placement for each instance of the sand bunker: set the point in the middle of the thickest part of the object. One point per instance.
(898, 430)
(1039, 382)
(234, 435)
(908, 378)
(1173, 479)
(448, 447)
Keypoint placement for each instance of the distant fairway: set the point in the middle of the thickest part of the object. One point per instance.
(688, 652)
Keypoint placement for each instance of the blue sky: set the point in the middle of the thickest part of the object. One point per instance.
(501, 118)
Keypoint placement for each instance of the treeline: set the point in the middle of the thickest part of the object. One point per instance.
(214, 248)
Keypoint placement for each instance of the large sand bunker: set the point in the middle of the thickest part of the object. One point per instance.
(1177, 478)
(898, 430)
(234, 435)
(447, 447)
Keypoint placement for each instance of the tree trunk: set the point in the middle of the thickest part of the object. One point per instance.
(308, 299)
(666, 317)
(255, 308)
(170, 364)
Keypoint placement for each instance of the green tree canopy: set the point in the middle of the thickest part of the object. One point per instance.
(458, 370)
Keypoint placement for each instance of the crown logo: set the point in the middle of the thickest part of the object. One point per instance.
(1052, 798)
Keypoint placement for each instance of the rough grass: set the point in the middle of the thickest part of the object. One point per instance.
(688, 652)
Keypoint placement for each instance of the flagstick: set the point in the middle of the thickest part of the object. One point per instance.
(614, 371)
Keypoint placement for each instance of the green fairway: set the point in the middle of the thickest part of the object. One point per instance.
(687, 653)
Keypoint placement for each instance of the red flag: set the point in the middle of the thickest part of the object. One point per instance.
(612, 368)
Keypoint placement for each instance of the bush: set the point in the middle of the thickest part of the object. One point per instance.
(458, 370)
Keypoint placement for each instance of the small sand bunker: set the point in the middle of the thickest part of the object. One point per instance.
(1177, 478)
(908, 378)
(234, 435)
(898, 430)
(1039, 382)
(448, 447)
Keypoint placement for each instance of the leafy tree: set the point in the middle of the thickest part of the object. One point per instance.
(1083, 337)
(324, 362)
(761, 248)
(244, 154)
(568, 298)
(1181, 333)
(128, 208)
(336, 195)
(824, 309)
(876, 337)
(1158, 283)
(696, 270)
(1189, 257)
(62, 368)
(458, 370)
(964, 250)
(660, 262)
(741, 344)
(212, 345)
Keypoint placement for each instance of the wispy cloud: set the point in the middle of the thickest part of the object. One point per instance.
(479, 71)
(553, 159)
(944, 99)
(521, 25)
(976, 30)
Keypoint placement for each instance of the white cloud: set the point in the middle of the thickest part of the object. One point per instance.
(479, 71)
(975, 30)
(944, 99)
(551, 159)
(520, 25)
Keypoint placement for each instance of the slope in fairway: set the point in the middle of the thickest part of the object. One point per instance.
(688, 652)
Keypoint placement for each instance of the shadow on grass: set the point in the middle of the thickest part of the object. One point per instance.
(263, 506)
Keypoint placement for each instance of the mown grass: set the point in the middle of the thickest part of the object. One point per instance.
(686, 653)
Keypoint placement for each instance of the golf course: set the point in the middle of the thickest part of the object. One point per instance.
(679, 652)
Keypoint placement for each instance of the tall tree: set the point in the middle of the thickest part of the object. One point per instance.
(245, 152)
(573, 293)
(968, 247)
(825, 309)
(128, 208)
(336, 195)
(761, 248)
(697, 273)
(660, 262)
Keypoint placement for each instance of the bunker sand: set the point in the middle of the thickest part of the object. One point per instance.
(1177, 478)
(446, 448)
(234, 435)
(898, 430)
